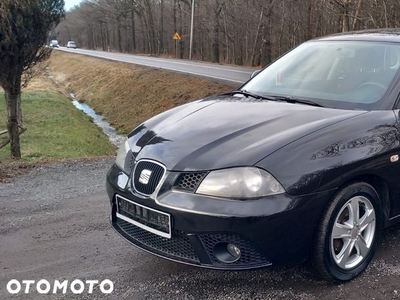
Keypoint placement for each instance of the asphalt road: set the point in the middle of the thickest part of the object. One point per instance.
(231, 74)
(54, 226)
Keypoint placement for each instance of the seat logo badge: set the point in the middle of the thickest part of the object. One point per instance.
(145, 176)
(394, 158)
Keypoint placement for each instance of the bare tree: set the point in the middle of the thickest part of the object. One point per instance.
(235, 31)
(24, 27)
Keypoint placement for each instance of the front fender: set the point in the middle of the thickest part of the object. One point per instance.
(328, 158)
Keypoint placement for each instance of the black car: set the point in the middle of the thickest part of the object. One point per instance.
(300, 163)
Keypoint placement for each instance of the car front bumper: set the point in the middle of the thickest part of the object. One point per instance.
(273, 230)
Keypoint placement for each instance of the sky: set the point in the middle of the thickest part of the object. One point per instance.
(71, 3)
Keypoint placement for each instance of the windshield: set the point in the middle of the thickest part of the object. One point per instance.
(338, 74)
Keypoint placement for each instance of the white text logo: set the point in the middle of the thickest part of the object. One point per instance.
(43, 286)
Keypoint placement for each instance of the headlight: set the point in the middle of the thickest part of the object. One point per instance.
(121, 156)
(240, 183)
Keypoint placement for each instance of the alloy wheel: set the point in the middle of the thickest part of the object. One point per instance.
(353, 232)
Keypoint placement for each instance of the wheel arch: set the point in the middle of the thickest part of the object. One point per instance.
(317, 261)
(380, 186)
(377, 182)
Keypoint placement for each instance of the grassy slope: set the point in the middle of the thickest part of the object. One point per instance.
(127, 94)
(56, 130)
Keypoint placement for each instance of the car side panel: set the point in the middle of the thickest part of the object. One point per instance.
(330, 158)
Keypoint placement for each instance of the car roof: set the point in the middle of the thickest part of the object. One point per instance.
(374, 35)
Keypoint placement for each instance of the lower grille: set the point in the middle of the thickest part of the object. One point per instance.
(178, 247)
(250, 255)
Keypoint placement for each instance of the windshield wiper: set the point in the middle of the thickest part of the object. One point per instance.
(294, 100)
(288, 99)
(249, 94)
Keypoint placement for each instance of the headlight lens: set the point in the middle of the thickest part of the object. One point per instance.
(121, 155)
(240, 183)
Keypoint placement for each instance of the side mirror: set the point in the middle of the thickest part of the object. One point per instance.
(255, 73)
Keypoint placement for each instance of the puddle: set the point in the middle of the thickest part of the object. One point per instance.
(114, 138)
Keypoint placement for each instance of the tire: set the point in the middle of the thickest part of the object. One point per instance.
(345, 243)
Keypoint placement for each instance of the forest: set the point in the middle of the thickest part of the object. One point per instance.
(241, 32)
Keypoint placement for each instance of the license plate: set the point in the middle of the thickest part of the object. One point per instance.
(144, 217)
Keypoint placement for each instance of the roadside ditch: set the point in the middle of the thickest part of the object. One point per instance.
(126, 95)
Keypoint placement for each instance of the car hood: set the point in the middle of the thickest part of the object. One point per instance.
(227, 131)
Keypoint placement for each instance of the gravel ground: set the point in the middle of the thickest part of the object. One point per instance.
(54, 226)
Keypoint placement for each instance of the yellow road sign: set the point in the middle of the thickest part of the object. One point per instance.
(177, 36)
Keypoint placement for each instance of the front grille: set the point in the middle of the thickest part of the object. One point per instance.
(189, 182)
(178, 247)
(250, 255)
(151, 172)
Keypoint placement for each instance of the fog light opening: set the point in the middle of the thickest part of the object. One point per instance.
(227, 253)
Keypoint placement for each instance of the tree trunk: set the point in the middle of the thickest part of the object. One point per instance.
(127, 39)
(266, 56)
(215, 39)
(19, 112)
(13, 108)
(181, 42)
(150, 28)
(119, 34)
(310, 20)
(143, 24)
(253, 53)
(175, 27)
(356, 16)
(346, 15)
(103, 43)
(385, 14)
(161, 34)
(266, 47)
(133, 31)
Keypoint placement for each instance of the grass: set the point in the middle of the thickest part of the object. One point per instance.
(126, 94)
(56, 130)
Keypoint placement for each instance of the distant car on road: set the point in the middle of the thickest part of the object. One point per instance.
(71, 44)
(54, 44)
